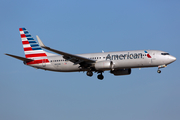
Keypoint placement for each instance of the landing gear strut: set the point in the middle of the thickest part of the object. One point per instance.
(161, 66)
(100, 77)
(89, 73)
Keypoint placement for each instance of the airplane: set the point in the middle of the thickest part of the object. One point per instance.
(118, 63)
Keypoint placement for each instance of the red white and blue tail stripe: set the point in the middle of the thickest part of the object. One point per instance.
(32, 49)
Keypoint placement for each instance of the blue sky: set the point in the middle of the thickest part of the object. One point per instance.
(87, 27)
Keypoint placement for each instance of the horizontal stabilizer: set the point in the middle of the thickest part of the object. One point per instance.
(18, 57)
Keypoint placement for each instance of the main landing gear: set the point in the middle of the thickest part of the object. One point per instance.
(90, 74)
(100, 76)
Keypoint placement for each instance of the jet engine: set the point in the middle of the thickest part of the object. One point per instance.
(121, 72)
(104, 65)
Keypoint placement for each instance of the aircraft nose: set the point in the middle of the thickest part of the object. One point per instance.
(172, 58)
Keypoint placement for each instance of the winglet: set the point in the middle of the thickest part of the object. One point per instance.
(40, 42)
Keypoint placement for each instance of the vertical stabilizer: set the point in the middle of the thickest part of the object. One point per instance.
(32, 49)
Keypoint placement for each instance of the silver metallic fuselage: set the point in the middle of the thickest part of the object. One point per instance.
(121, 60)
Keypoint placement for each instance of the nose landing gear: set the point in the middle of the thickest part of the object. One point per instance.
(159, 71)
(161, 66)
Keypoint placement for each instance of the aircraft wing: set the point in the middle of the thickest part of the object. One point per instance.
(70, 57)
(18, 57)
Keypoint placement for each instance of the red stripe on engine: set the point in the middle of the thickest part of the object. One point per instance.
(20, 29)
(23, 35)
(27, 49)
(38, 61)
(36, 55)
(25, 42)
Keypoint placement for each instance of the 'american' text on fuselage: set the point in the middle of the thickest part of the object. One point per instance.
(124, 56)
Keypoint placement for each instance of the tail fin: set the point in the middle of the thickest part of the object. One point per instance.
(31, 48)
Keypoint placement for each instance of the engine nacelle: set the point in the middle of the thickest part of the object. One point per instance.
(103, 65)
(121, 72)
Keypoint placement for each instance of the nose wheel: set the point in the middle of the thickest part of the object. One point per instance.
(159, 71)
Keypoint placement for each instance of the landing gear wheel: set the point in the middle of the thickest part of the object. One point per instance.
(89, 73)
(159, 71)
(100, 77)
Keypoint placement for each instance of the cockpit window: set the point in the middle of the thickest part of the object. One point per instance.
(164, 53)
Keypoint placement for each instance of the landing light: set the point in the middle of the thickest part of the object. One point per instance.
(162, 66)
